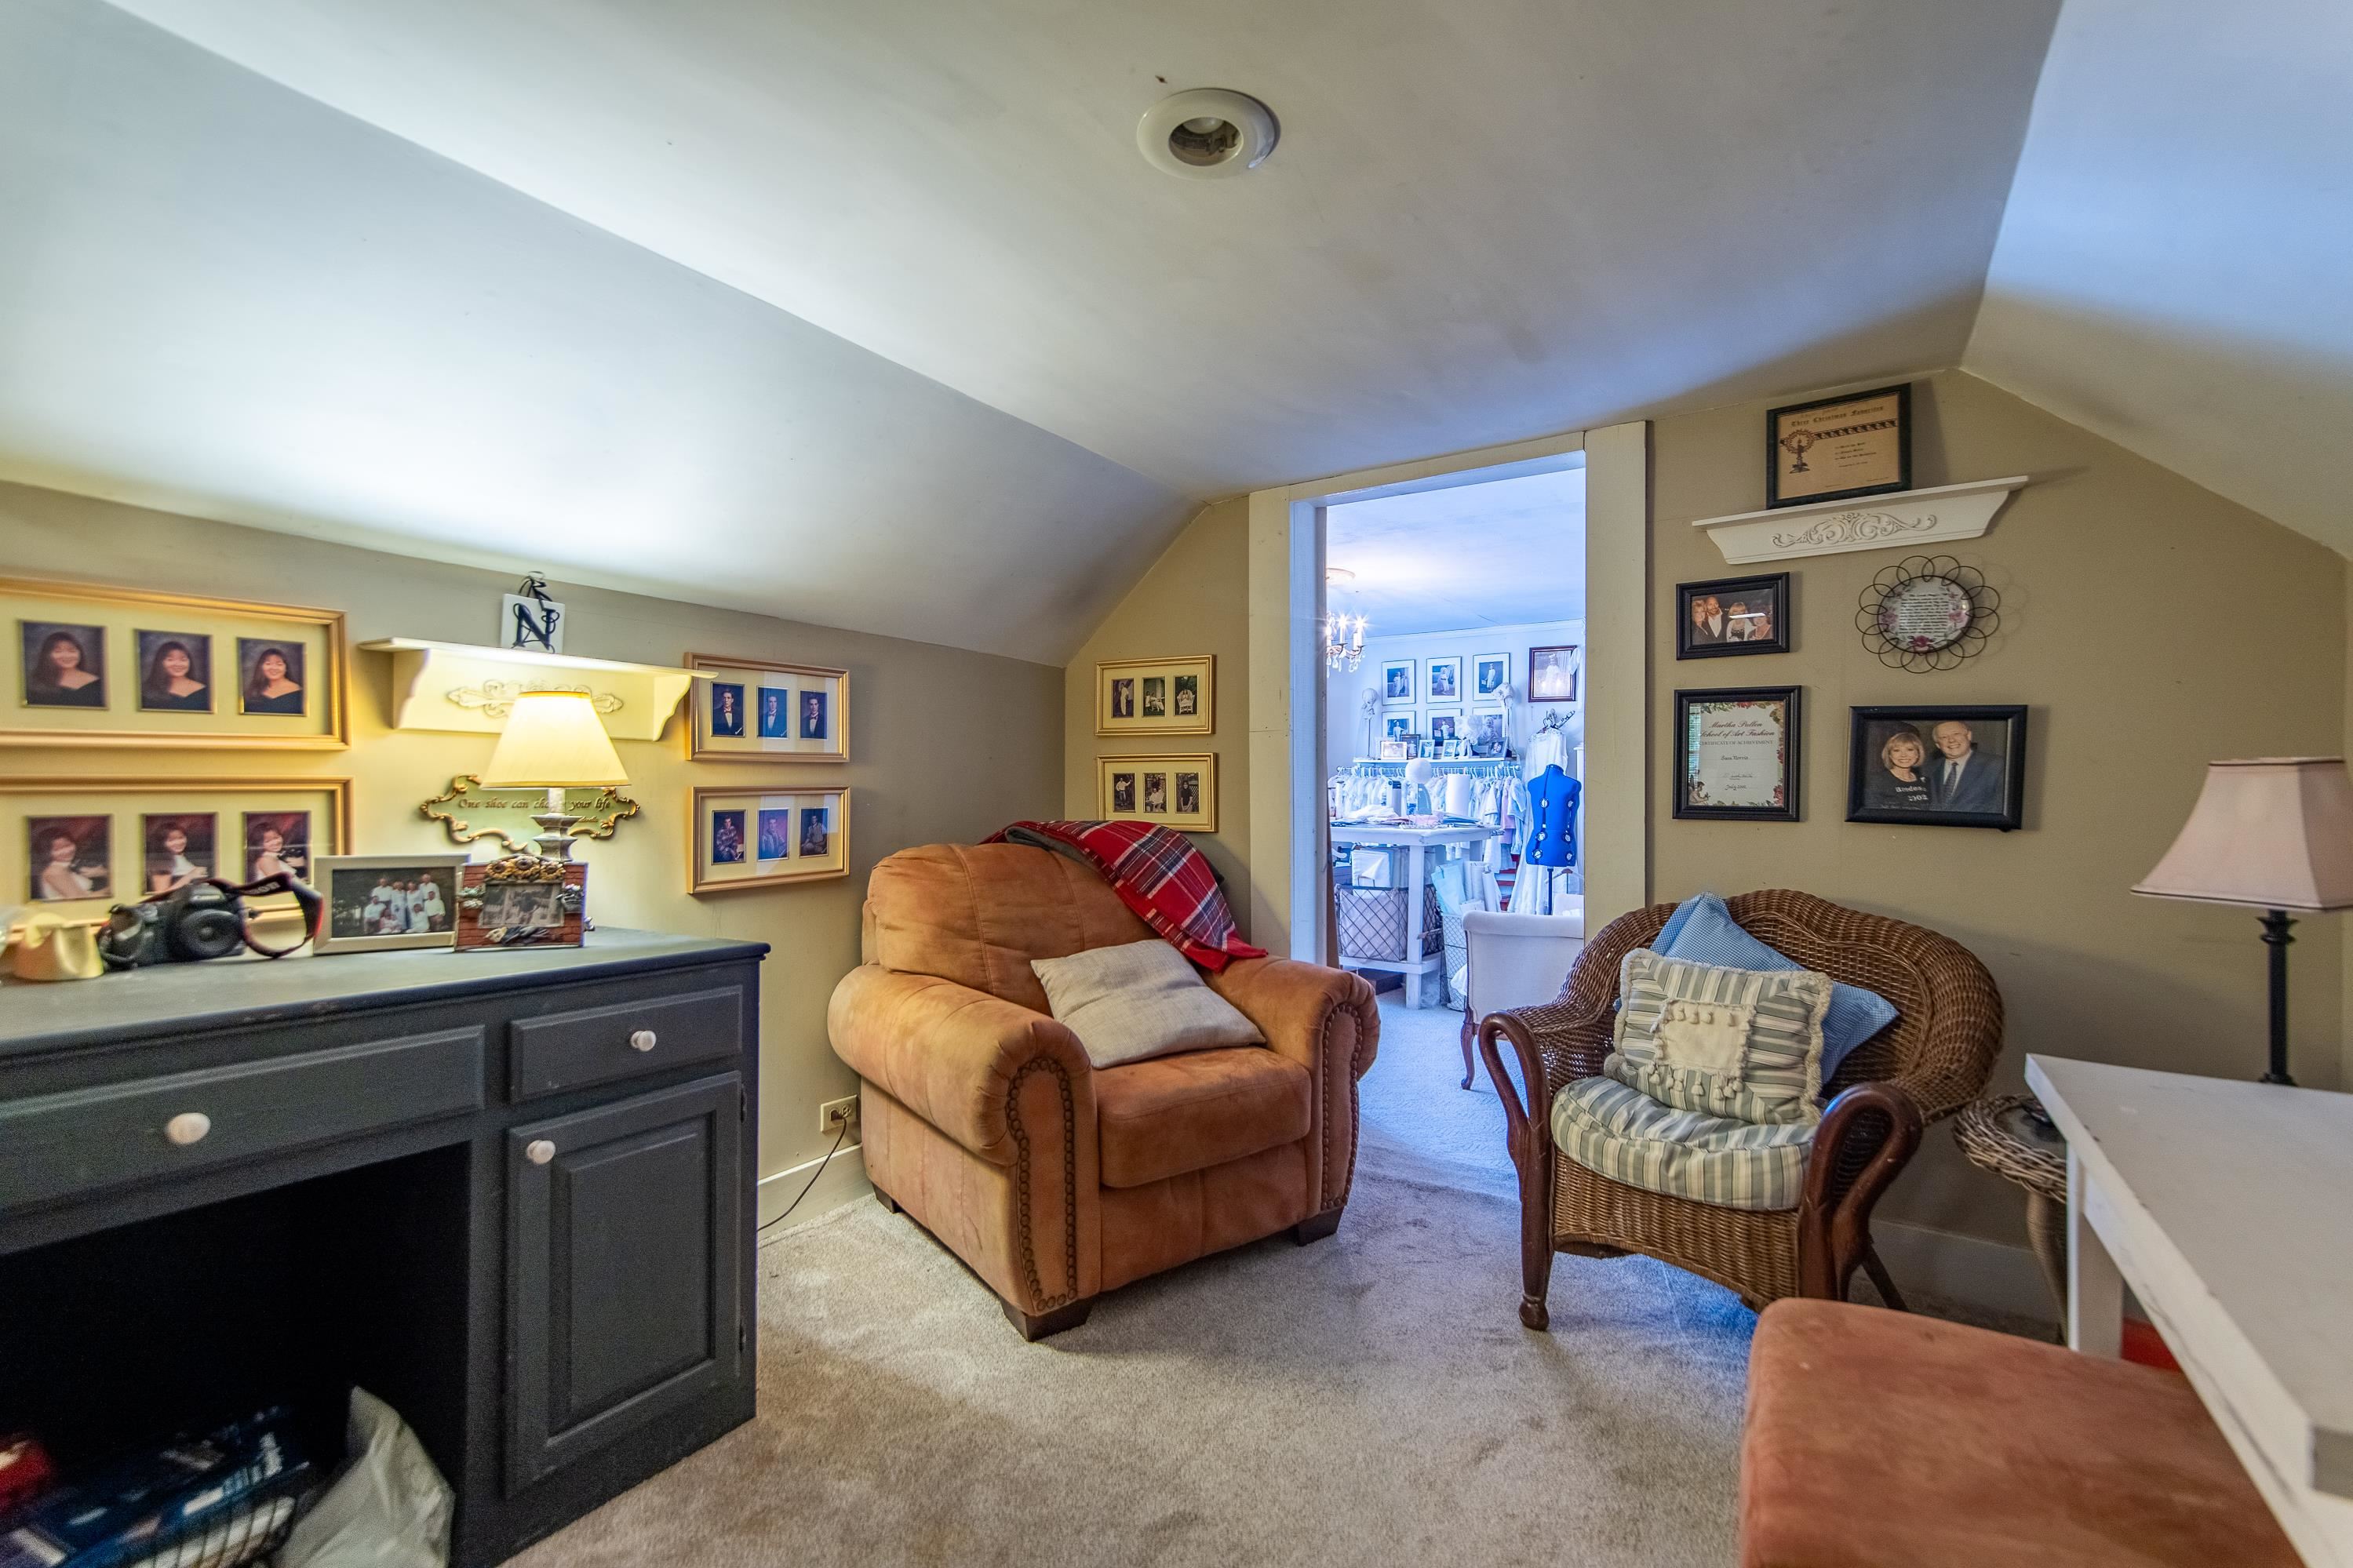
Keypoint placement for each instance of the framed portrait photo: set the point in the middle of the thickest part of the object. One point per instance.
(1552, 673)
(384, 902)
(1938, 767)
(1445, 678)
(757, 711)
(1396, 683)
(1490, 673)
(90, 665)
(1178, 792)
(1834, 448)
(1156, 696)
(1732, 616)
(1737, 753)
(1486, 731)
(765, 838)
(1443, 725)
(522, 901)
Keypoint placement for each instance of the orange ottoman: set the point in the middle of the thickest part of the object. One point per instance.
(1878, 1440)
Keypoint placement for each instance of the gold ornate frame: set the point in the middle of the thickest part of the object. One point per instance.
(599, 815)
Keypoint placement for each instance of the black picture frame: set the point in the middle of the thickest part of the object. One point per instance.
(1870, 731)
(1727, 590)
(1902, 393)
(1793, 732)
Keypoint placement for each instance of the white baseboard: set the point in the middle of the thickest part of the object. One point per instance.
(843, 1181)
(1989, 1275)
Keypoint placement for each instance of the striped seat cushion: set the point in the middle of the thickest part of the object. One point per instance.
(1620, 1132)
(1740, 1043)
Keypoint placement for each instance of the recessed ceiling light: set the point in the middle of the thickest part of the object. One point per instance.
(1206, 133)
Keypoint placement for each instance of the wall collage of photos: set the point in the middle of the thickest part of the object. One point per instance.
(1157, 697)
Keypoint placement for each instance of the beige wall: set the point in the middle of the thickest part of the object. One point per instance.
(1193, 600)
(946, 744)
(2151, 627)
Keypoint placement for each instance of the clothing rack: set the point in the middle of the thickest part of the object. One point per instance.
(1368, 766)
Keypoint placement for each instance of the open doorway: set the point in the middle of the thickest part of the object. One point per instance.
(1454, 746)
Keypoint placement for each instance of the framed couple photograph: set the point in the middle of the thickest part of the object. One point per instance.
(79, 844)
(1737, 754)
(766, 838)
(522, 901)
(1938, 767)
(381, 903)
(1179, 792)
(1836, 449)
(756, 710)
(93, 666)
(1732, 616)
(1157, 697)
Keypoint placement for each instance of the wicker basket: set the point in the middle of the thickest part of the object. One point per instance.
(1372, 923)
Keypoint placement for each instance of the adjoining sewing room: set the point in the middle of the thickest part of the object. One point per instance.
(1454, 701)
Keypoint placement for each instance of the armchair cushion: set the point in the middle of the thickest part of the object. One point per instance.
(1139, 999)
(1618, 1132)
(1702, 928)
(1739, 1043)
(1170, 1115)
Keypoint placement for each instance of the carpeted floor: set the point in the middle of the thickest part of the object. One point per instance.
(1371, 1399)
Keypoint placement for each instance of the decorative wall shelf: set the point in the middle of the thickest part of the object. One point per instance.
(1907, 520)
(467, 688)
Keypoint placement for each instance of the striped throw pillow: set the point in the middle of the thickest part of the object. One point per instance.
(1740, 1043)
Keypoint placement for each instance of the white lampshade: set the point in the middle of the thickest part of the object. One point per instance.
(554, 740)
(2272, 832)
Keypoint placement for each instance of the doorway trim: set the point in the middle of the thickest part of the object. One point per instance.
(1287, 828)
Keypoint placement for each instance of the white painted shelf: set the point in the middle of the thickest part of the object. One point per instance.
(1905, 519)
(467, 688)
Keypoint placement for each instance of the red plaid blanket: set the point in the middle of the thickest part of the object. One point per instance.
(1157, 873)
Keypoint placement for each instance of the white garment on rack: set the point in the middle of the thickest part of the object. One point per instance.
(1546, 748)
(1462, 795)
(1545, 889)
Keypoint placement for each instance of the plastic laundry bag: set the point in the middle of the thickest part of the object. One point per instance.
(389, 1509)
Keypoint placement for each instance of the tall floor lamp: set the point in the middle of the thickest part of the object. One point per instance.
(2274, 834)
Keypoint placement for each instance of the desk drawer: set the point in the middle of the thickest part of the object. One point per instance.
(598, 1044)
(61, 1144)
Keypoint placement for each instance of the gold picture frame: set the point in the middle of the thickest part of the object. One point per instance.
(109, 822)
(601, 809)
(129, 632)
(1157, 696)
(758, 683)
(1124, 790)
(807, 829)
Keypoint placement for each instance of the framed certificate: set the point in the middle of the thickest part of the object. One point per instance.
(1859, 444)
(1736, 756)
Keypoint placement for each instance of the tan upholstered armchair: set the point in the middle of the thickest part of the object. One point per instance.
(1933, 1059)
(1054, 1179)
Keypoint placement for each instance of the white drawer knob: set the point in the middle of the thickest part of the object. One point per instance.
(188, 1127)
(539, 1151)
(643, 1040)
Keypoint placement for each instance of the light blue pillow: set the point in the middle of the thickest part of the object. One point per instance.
(1702, 931)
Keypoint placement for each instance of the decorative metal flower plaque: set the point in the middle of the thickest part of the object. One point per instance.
(1927, 612)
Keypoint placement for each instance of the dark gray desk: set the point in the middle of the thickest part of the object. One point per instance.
(511, 1193)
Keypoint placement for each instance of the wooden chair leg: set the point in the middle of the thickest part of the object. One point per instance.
(886, 1200)
(1034, 1329)
(1470, 1033)
(1316, 1227)
(1880, 1280)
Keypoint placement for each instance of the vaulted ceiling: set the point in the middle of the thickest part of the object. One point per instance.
(871, 314)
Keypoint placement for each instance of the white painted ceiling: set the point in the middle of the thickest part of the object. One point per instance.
(1505, 554)
(2173, 270)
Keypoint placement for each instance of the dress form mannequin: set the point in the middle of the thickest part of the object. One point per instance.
(1552, 840)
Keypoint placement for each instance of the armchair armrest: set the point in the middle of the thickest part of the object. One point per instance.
(1323, 1019)
(956, 1057)
(1866, 1138)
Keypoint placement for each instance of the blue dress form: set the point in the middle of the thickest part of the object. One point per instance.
(1552, 839)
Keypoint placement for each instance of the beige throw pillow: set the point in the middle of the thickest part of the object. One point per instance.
(1138, 1000)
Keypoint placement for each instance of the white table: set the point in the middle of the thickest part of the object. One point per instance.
(1416, 843)
(2228, 1207)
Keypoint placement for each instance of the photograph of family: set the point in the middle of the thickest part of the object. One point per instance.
(396, 901)
(1732, 616)
(522, 906)
(1940, 766)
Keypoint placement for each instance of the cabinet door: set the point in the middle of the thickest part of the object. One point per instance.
(623, 1249)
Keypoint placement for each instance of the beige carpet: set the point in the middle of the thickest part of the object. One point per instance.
(1369, 1399)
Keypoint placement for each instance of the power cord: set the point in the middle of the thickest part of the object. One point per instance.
(821, 1164)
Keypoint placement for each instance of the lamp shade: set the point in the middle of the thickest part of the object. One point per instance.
(2273, 832)
(554, 739)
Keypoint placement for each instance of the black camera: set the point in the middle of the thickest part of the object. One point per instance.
(205, 919)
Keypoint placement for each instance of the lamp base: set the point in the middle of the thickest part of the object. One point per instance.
(2276, 939)
(556, 824)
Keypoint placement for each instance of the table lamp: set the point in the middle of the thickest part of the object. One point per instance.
(2274, 834)
(553, 740)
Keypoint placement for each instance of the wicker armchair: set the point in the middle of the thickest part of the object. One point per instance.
(1934, 1060)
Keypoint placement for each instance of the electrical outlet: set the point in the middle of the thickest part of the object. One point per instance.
(834, 1112)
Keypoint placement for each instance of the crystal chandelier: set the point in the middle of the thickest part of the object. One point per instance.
(1343, 635)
